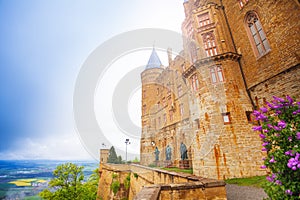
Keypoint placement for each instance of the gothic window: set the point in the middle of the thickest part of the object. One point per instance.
(216, 73)
(257, 35)
(203, 19)
(213, 75)
(195, 82)
(144, 109)
(209, 44)
(165, 118)
(220, 73)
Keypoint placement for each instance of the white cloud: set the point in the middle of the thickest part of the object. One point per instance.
(54, 147)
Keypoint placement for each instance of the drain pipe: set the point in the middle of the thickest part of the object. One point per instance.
(235, 49)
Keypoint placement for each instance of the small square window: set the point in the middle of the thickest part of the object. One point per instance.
(226, 118)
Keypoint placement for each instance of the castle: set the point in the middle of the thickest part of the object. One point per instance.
(196, 112)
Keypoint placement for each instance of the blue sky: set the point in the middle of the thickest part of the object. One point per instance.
(43, 45)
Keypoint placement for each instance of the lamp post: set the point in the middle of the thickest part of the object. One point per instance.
(126, 142)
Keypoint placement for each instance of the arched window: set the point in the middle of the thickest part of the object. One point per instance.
(256, 34)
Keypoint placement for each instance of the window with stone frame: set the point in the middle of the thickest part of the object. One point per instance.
(226, 118)
(209, 42)
(194, 82)
(216, 73)
(203, 19)
(256, 35)
(189, 30)
(165, 118)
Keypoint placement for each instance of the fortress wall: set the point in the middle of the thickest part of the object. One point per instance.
(162, 184)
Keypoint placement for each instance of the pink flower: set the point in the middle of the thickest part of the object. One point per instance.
(262, 136)
(264, 110)
(265, 144)
(289, 192)
(298, 135)
(282, 124)
(289, 99)
(257, 128)
(263, 167)
(272, 160)
(278, 99)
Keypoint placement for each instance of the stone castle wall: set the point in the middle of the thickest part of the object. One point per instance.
(155, 184)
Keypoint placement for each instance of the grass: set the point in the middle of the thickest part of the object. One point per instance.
(255, 181)
(175, 169)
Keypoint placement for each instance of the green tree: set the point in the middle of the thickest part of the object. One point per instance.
(112, 157)
(120, 160)
(67, 183)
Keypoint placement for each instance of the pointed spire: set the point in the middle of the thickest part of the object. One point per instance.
(154, 61)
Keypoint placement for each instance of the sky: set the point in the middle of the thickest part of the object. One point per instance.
(43, 45)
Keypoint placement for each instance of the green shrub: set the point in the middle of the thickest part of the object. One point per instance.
(115, 186)
(127, 182)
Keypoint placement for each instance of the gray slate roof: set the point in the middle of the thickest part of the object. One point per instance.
(154, 61)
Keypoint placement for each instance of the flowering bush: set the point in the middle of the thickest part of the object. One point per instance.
(280, 134)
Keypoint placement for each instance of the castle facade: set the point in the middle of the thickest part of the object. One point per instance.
(196, 112)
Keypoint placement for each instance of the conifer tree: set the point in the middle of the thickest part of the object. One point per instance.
(112, 157)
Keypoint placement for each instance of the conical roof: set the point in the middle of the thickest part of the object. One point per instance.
(154, 61)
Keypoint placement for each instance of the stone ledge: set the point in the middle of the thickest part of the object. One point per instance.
(148, 193)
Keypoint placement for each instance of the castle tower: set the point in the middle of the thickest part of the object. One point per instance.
(219, 101)
(104, 153)
(150, 89)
